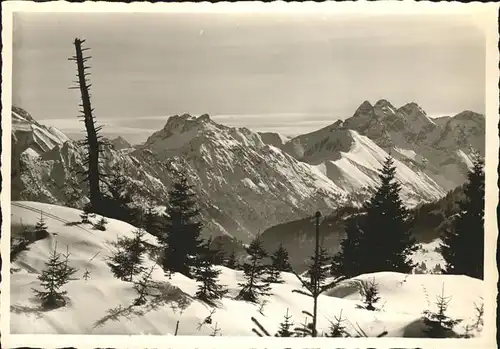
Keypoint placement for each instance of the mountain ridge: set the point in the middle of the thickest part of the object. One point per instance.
(245, 181)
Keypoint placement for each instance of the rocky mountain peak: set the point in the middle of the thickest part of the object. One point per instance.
(120, 143)
(468, 115)
(383, 103)
(410, 108)
(364, 108)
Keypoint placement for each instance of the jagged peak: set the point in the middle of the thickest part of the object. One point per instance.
(409, 107)
(383, 103)
(365, 105)
(204, 117)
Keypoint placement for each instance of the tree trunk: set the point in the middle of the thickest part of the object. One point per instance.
(92, 138)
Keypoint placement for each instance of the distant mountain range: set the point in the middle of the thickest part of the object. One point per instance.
(249, 181)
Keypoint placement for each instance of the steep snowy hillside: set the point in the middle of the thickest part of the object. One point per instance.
(353, 161)
(102, 304)
(436, 149)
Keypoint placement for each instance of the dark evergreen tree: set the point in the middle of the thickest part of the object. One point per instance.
(279, 263)
(56, 274)
(385, 228)
(463, 245)
(347, 261)
(440, 325)
(255, 285)
(285, 329)
(181, 240)
(151, 222)
(120, 264)
(41, 228)
(118, 198)
(128, 259)
(209, 289)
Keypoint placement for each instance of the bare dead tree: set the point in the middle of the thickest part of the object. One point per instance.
(93, 140)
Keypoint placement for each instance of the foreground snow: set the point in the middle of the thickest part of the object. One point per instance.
(101, 305)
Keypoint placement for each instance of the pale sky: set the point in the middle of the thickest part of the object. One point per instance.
(288, 73)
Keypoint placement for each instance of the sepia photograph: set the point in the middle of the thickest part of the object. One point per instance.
(250, 174)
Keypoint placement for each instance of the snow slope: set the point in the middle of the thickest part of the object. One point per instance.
(352, 161)
(102, 304)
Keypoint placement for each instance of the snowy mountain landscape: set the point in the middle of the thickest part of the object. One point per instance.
(246, 182)
(273, 175)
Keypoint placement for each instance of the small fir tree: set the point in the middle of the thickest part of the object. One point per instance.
(279, 263)
(41, 228)
(216, 330)
(86, 214)
(463, 244)
(369, 292)
(285, 329)
(337, 327)
(128, 259)
(56, 274)
(101, 224)
(181, 240)
(84, 217)
(317, 273)
(208, 290)
(86, 275)
(255, 285)
(305, 329)
(440, 325)
(142, 286)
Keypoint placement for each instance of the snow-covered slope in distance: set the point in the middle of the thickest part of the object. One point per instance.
(92, 301)
(430, 147)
